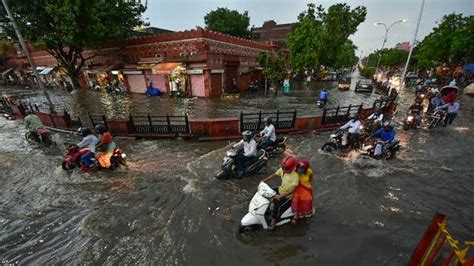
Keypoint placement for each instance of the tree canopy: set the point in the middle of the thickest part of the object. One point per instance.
(228, 21)
(321, 35)
(451, 42)
(68, 27)
(389, 57)
(275, 66)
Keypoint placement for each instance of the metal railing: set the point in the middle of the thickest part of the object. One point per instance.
(169, 124)
(256, 121)
(339, 114)
(97, 119)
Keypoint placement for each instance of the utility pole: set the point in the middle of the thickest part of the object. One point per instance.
(28, 56)
(412, 44)
(266, 66)
(387, 29)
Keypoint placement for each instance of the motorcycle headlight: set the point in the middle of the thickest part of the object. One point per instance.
(333, 135)
(124, 156)
(422, 96)
(410, 118)
(231, 153)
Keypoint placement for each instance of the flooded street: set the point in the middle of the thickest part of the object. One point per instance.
(168, 209)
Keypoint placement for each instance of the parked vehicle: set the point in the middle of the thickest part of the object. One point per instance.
(260, 210)
(229, 167)
(344, 84)
(364, 85)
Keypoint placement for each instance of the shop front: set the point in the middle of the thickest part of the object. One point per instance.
(135, 79)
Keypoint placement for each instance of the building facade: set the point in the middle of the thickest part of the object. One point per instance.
(197, 62)
(272, 33)
(405, 46)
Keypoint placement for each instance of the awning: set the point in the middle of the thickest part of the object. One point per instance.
(46, 71)
(4, 73)
(146, 66)
(165, 68)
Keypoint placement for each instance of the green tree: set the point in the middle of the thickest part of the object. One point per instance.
(320, 36)
(346, 56)
(68, 27)
(228, 21)
(274, 67)
(389, 57)
(450, 42)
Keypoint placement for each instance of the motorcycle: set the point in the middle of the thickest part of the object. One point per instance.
(436, 118)
(260, 210)
(339, 141)
(42, 137)
(229, 166)
(410, 122)
(74, 154)
(276, 148)
(389, 151)
(321, 103)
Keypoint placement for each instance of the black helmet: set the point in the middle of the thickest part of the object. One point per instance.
(85, 131)
(100, 129)
(268, 120)
(248, 135)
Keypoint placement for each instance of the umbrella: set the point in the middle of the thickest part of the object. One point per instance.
(468, 68)
(448, 89)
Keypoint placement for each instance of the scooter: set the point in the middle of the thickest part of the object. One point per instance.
(410, 122)
(229, 167)
(74, 154)
(42, 137)
(276, 149)
(260, 210)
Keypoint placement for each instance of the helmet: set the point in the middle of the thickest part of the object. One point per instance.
(84, 131)
(303, 166)
(288, 164)
(388, 125)
(100, 128)
(268, 120)
(248, 135)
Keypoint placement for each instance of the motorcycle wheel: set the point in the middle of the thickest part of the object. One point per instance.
(328, 147)
(47, 140)
(28, 137)
(390, 155)
(433, 123)
(406, 127)
(65, 167)
(221, 175)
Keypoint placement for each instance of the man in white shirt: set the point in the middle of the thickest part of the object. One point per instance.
(268, 134)
(452, 109)
(353, 127)
(377, 116)
(250, 151)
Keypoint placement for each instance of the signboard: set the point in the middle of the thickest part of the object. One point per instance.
(195, 71)
(217, 71)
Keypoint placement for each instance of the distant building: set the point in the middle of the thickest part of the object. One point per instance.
(272, 34)
(405, 46)
(150, 31)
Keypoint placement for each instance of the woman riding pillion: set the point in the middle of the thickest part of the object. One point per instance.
(302, 202)
(105, 146)
(289, 181)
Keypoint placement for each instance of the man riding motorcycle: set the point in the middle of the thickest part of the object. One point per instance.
(89, 141)
(323, 96)
(416, 109)
(386, 135)
(250, 151)
(353, 127)
(34, 126)
(105, 146)
(435, 102)
(268, 134)
(374, 121)
(289, 182)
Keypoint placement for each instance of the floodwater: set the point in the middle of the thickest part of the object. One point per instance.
(302, 98)
(168, 209)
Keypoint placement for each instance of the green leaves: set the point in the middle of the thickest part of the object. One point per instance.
(275, 66)
(228, 21)
(388, 57)
(320, 37)
(450, 42)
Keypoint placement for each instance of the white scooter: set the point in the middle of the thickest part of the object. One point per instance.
(260, 213)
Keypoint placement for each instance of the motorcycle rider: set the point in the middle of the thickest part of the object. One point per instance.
(89, 141)
(376, 116)
(268, 134)
(323, 96)
(33, 124)
(353, 127)
(435, 102)
(250, 151)
(416, 109)
(105, 146)
(452, 108)
(289, 182)
(386, 134)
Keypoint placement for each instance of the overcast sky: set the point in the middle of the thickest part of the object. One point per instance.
(187, 14)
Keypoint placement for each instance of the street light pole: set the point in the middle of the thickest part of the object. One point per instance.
(28, 56)
(387, 29)
(412, 44)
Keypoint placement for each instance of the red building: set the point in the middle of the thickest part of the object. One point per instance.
(405, 46)
(197, 62)
(272, 34)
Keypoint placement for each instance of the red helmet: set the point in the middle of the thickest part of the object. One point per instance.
(303, 164)
(288, 164)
